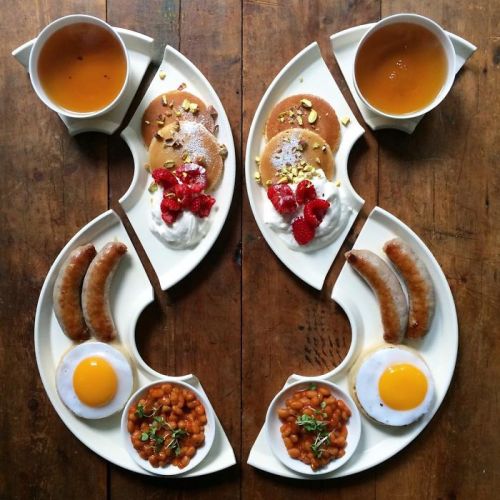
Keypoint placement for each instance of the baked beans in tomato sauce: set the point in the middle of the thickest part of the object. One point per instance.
(314, 427)
(167, 425)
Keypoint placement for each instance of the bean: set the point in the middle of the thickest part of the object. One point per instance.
(330, 400)
(156, 393)
(305, 400)
(315, 401)
(178, 411)
(191, 451)
(184, 461)
(324, 391)
(130, 426)
(343, 431)
(189, 395)
(340, 442)
(308, 411)
(341, 453)
(153, 460)
(286, 432)
(288, 443)
(283, 413)
(328, 410)
(167, 388)
(203, 419)
(192, 404)
(200, 410)
(294, 453)
(311, 394)
(297, 405)
(345, 416)
(181, 424)
(294, 438)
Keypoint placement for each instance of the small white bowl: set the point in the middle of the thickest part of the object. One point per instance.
(445, 43)
(201, 453)
(35, 54)
(273, 424)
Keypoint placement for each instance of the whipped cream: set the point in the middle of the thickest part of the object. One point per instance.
(331, 226)
(185, 232)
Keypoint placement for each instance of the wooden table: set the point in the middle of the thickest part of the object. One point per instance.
(241, 321)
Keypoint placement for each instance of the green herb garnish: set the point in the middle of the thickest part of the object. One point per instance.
(176, 434)
(312, 387)
(139, 412)
(319, 427)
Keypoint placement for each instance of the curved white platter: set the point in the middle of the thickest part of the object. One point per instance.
(140, 52)
(130, 293)
(344, 45)
(305, 73)
(172, 265)
(439, 349)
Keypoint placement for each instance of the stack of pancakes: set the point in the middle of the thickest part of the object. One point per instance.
(302, 132)
(179, 128)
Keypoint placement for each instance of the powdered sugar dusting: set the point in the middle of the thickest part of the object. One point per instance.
(191, 136)
(289, 151)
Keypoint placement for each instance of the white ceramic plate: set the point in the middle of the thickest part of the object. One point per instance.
(438, 348)
(173, 265)
(305, 73)
(130, 293)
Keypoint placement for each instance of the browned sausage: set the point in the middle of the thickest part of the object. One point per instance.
(418, 283)
(67, 293)
(95, 292)
(386, 286)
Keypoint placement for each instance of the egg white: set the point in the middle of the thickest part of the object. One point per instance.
(66, 369)
(366, 386)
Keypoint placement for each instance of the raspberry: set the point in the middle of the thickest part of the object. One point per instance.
(302, 231)
(202, 204)
(170, 204)
(184, 195)
(193, 175)
(315, 210)
(282, 198)
(305, 192)
(169, 217)
(164, 178)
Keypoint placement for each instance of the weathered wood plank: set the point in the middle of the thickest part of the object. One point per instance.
(46, 175)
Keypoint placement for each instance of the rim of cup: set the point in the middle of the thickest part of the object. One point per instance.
(201, 453)
(40, 41)
(273, 424)
(449, 51)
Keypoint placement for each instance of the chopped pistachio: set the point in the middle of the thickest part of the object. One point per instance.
(160, 123)
(317, 160)
(299, 120)
(294, 171)
(337, 183)
(147, 122)
(345, 121)
(169, 164)
(257, 159)
(147, 166)
(223, 151)
(303, 163)
(268, 183)
(153, 187)
(162, 75)
(177, 113)
(185, 105)
(283, 180)
(301, 79)
(291, 113)
(323, 148)
(306, 103)
(193, 107)
(256, 176)
(185, 157)
(316, 145)
(182, 86)
(282, 120)
(313, 116)
(164, 100)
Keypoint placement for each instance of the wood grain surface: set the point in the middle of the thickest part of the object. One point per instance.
(241, 322)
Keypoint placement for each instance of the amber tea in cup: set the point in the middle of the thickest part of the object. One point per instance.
(401, 68)
(82, 67)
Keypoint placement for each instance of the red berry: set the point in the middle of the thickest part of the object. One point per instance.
(202, 204)
(164, 178)
(169, 217)
(302, 231)
(282, 198)
(170, 204)
(184, 195)
(193, 175)
(305, 192)
(315, 210)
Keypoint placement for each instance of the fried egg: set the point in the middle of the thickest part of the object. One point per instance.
(393, 385)
(94, 380)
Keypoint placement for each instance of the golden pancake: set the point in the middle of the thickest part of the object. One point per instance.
(295, 154)
(187, 142)
(174, 106)
(298, 111)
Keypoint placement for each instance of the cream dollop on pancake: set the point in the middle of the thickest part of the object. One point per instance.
(294, 112)
(187, 142)
(173, 106)
(298, 149)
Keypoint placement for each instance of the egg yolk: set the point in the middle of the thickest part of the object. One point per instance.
(402, 386)
(94, 381)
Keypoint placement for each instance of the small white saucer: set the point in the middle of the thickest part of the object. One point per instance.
(140, 49)
(344, 45)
